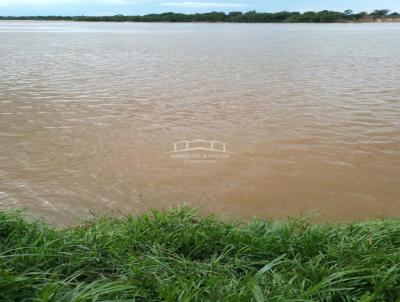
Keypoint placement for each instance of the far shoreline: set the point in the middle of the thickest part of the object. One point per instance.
(325, 16)
(205, 22)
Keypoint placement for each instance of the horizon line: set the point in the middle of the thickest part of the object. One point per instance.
(199, 13)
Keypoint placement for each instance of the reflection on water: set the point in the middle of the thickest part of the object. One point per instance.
(311, 113)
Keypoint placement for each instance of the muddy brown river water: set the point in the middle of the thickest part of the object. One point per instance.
(272, 120)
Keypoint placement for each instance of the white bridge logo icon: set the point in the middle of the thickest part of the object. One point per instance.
(200, 145)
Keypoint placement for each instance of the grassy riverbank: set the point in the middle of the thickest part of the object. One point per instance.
(178, 256)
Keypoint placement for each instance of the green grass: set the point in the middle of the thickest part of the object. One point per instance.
(178, 256)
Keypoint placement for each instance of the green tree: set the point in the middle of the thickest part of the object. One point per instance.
(380, 12)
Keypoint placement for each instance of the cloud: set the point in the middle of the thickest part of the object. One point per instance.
(192, 4)
(187, 4)
(59, 2)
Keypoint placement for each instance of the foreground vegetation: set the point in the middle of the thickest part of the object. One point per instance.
(249, 17)
(178, 256)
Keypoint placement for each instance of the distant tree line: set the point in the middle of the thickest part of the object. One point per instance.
(324, 16)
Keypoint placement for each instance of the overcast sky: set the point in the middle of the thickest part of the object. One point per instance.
(139, 7)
